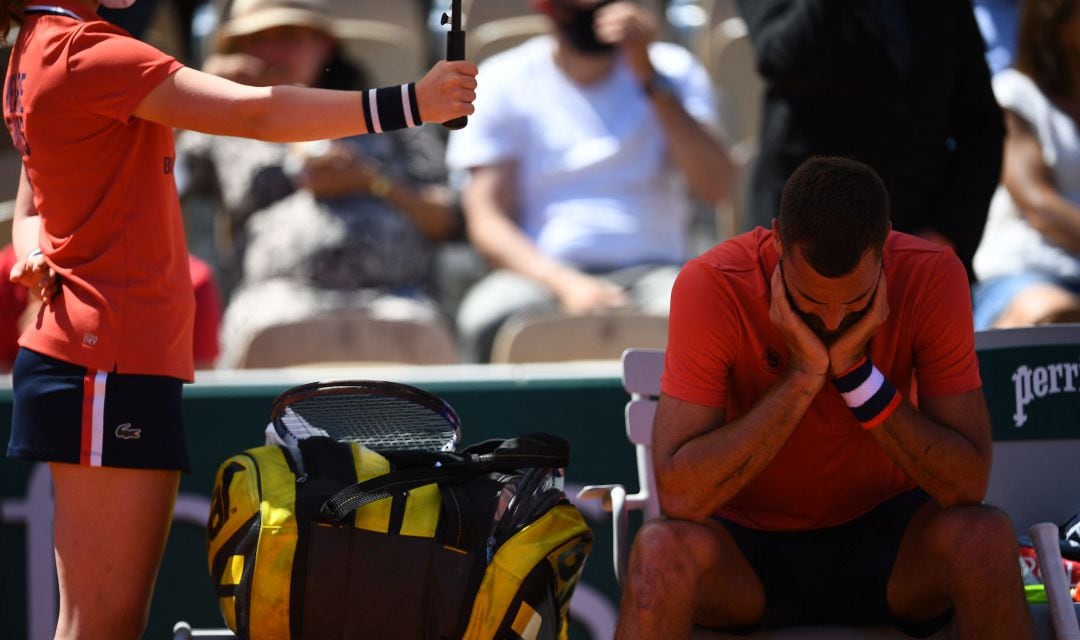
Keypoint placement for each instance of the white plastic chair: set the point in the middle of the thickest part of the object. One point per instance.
(641, 378)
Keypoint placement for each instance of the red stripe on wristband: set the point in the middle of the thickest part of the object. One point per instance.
(853, 367)
(889, 409)
(868, 393)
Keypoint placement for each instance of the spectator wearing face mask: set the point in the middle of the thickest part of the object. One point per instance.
(580, 154)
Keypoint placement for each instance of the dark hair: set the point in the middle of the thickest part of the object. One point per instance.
(1040, 52)
(10, 11)
(835, 210)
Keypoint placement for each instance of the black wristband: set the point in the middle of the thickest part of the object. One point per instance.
(391, 108)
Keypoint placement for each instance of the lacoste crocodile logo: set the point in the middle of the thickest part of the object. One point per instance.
(126, 432)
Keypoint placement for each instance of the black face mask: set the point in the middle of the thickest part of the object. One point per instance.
(817, 325)
(578, 30)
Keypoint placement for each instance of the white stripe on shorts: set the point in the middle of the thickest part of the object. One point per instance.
(97, 418)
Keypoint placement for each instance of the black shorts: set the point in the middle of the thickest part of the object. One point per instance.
(835, 575)
(67, 413)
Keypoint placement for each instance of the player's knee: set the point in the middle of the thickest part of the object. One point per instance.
(675, 548)
(975, 536)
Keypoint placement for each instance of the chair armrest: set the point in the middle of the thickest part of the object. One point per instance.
(183, 631)
(613, 499)
(1048, 549)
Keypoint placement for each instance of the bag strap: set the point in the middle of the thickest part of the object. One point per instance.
(533, 450)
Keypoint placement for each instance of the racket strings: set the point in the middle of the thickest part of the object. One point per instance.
(377, 422)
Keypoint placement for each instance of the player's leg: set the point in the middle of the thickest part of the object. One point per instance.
(965, 558)
(97, 431)
(682, 572)
(110, 531)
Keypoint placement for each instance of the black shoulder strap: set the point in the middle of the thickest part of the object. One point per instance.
(533, 450)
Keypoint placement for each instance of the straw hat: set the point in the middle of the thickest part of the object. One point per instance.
(246, 17)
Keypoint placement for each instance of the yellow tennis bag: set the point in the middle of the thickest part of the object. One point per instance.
(478, 544)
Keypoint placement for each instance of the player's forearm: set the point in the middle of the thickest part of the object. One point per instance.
(1053, 216)
(943, 461)
(274, 114)
(706, 472)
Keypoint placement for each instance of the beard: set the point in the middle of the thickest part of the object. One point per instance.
(817, 325)
(827, 337)
(579, 33)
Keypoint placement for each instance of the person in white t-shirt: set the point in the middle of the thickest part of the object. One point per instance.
(579, 156)
(1028, 262)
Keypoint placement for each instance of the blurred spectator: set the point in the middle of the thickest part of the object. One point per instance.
(138, 18)
(16, 312)
(997, 23)
(578, 155)
(334, 225)
(901, 85)
(1029, 260)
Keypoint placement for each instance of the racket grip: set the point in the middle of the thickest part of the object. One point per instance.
(1048, 549)
(455, 50)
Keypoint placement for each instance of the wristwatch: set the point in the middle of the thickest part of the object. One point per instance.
(659, 85)
(380, 186)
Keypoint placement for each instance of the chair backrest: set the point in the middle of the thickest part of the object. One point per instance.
(354, 336)
(557, 337)
(1031, 380)
(641, 370)
(387, 38)
(496, 25)
(729, 59)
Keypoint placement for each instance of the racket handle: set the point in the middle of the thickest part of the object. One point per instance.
(1048, 549)
(455, 50)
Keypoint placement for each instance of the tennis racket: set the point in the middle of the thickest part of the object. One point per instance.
(384, 416)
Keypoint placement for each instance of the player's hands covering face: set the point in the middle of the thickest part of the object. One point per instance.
(850, 347)
(808, 352)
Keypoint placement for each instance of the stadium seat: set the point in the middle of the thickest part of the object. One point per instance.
(1020, 482)
(557, 337)
(7, 212)
(387, 38)
(350, 337)
(729, 59)
(496, 25)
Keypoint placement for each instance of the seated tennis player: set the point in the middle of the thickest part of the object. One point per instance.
(821, 444)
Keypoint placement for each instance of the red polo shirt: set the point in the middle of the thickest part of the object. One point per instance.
(723, 351)
(103, 186)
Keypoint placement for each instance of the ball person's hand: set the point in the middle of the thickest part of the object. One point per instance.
(447, 91)
(35, 274)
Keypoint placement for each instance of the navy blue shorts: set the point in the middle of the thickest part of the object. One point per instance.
(835, 575)
(68, 413)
